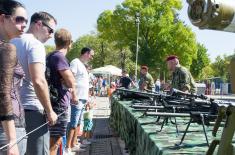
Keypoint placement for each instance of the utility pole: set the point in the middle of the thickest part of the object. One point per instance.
(137, 21)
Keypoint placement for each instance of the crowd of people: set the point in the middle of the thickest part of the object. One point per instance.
(38, 90)
(181, 79)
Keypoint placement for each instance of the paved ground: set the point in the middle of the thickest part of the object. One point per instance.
(105, 141)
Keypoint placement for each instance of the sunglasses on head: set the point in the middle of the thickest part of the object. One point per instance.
(50, 30)
(18, 19)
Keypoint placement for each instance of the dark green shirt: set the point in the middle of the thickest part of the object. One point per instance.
(183, 80)
(148, 79)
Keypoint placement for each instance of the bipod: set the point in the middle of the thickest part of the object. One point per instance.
(194, 118)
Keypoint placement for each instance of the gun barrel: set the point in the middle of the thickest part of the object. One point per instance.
(147, 107)
(215, 15)
(138, 92)
(176, 92)
(168, 114)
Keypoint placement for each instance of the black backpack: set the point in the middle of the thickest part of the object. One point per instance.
(54, 94)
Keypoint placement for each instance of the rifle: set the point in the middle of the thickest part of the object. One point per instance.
(137, 96)
(199, 108)
(176, 92)
(152, 98)
(201, 111)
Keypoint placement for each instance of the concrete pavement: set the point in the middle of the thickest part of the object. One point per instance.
(104, 140)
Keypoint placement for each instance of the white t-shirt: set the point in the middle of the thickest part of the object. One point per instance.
(29, 50)
(158, 83)
(82, 78)
(91, 79)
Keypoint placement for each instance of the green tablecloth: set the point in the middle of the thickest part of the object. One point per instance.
(143, 139)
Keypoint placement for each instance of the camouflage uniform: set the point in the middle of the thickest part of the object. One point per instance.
(182, 79)
(148, 79)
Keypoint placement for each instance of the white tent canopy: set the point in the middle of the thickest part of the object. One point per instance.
(109, 69)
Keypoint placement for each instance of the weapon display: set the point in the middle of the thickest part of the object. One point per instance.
(198, 108)
(150, 98)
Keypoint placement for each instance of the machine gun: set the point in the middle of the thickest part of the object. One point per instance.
(150, 98)
(125, 94)
(199, 111)
(178, 100)
(176, 92)
(154, 98)
(198, 108)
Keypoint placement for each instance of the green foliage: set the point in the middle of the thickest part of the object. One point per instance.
(221, 67)
(106, 52)
(84, 41)
(207, 72)
(199, 63)
(161, 32)
(49, 48)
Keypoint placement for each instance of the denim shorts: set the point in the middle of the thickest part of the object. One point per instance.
(77, 113)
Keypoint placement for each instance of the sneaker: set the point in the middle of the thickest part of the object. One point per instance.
(81, 145)
(77, 149)
(67, 151)
(92, 140)
(86, 142)
(79, 140)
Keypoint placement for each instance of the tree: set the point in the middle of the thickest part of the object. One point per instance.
(221, 67)
(49, 48)
(200, 62)
(207, 72)
(161, 32)
(90, 41)
(105, 52)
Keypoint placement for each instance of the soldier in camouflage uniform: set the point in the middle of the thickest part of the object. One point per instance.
(146, 79)
(181, 77)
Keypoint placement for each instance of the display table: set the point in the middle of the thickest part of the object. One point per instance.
(141, 136)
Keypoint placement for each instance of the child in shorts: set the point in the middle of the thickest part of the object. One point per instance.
(88, 116)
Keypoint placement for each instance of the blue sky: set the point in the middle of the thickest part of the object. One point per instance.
(79, 16)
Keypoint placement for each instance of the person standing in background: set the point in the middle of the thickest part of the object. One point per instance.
(82, 84)
(125, 80)
(212, 88)
(157, 85)
(146, 79)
